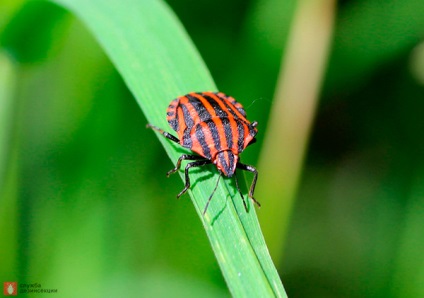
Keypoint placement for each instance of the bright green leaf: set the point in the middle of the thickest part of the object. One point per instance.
(158, 62)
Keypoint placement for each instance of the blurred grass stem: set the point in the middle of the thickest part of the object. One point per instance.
(293, 110)
(8, 170)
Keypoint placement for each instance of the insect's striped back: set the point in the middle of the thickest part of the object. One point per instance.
(210, 122)
(236, 104)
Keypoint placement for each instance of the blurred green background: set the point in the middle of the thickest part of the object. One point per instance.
(85, 206)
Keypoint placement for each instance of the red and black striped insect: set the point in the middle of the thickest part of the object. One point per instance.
(214, 126)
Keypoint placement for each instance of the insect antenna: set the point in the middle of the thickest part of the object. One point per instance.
(210, 197)
(238, 188)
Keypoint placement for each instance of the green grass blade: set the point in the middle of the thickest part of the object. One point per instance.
(158, 62)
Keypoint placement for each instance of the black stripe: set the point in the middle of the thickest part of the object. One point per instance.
(240, 108)
(201, 137)
(174, 121)
(215, 134)
(187, 141)
(234, 102)
(187, 117)
(228, 131)
(227, 106)
(215, 105)
(198, 106)
(240, 129)
(174, 124)
(223, 162)
(226, 159)
(230, 161)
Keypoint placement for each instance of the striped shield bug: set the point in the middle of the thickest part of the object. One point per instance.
(214, 126)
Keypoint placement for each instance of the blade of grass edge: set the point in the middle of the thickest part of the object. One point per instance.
(158, 62)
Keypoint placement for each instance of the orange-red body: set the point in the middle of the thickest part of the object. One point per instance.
(214, 126)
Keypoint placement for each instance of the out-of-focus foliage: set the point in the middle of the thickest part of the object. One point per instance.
(70, 148)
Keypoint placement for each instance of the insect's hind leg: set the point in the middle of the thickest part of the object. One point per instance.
(164, 133)
(187, 178)
(255, 178)
(183, 157)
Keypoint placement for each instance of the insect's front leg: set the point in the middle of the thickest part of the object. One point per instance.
(187, 178)
(183, 157)
(164, 133)
(241, 195)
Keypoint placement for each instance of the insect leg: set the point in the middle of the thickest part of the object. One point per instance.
(238, 188)
(210, 197)
(183, 157)
(164, 133)
(255, 178)
(187, 178)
